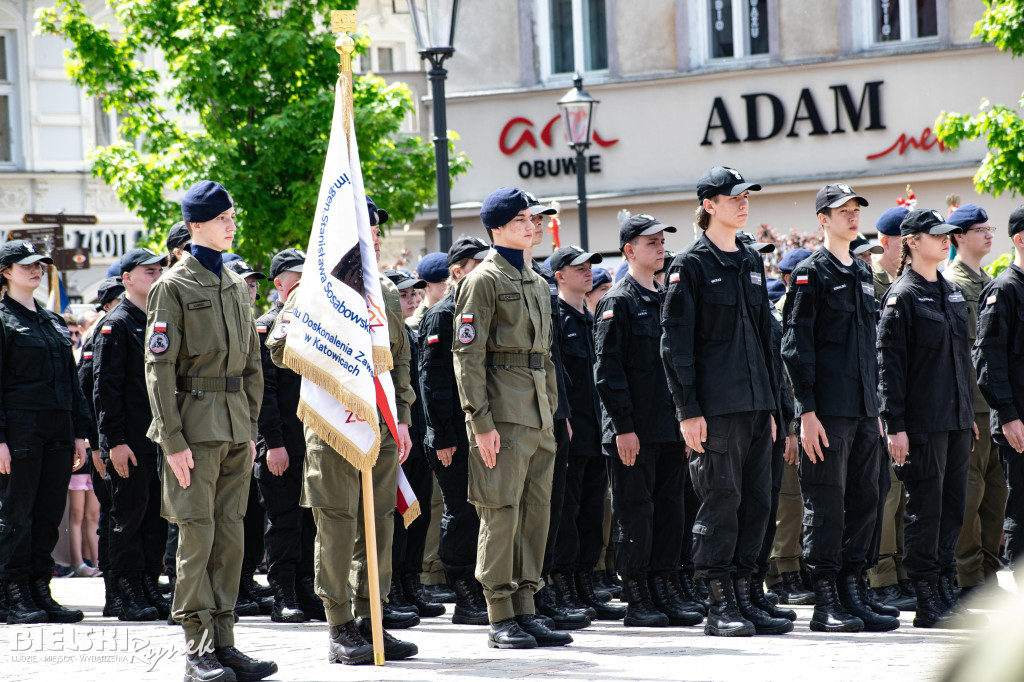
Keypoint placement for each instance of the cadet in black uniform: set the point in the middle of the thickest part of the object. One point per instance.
(408, 544)
(829, 348)
(718, 354)
(580, 529)
(178, 242)
(637, 427)
(446, 441)
(280, 452)
(137, 532)
(108, 295)
(44, 421)
(999, 359)
(927, 405)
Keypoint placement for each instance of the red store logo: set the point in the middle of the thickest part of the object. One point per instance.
(527, 137)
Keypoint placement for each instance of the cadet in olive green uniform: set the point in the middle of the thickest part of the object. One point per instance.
(977, 551)
(205, 384)
(331, 487)
(507, 386)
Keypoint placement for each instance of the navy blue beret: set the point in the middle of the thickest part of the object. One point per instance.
(792, 259)
(433, 267)
(378, 216)
(601, 276)
(502, 205)
(889, 222)
(115, 269)
(621, 271)
(776, 289)
(967, 215)
(204, 201)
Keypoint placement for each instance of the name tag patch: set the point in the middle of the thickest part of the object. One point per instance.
(956, 297)
(199, 305)
(755, 278)
(838, 287)
(509, 297)
(554, 289)
(867, 288)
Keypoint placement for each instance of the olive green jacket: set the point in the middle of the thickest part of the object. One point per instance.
(971, 283)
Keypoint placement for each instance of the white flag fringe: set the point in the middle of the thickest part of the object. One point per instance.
(338, 338)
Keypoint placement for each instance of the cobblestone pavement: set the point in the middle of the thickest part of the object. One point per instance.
(104, 649)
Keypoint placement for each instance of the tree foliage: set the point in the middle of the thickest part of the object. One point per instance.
(244, 95)
(1002, 169)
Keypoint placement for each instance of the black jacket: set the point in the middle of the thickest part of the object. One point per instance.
(445, 420)
(37, 366)
(278, 423)
(418, 427)
(87, 382)
(717, 345)
(564, 408)
(785, 413)
(924, 357)
(579, 358)
(999, 348)
(630, 379)
(829, 342)
(119, 394)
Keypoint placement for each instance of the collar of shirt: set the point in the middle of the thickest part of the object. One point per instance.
(513, 256)
(583, 316)
(506, 268)
(719, 254)
(969, 272)
(211, 260)
(881, 273)
(921, 283)
(136, 313)
(645, 294)
(846, 270)
(20, 309)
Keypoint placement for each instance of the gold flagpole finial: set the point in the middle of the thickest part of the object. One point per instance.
(343, 22)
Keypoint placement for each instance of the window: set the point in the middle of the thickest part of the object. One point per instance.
(579, 35)
(896, 21)
(737, 28)
(6, 98)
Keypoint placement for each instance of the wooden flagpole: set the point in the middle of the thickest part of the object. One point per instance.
(344, 22)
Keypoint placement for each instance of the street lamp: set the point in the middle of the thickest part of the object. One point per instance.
(578, 116)
(434, 24)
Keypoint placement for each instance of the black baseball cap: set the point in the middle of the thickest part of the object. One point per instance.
(21, 252)
(467, 247)
(760, 247)
(404, 280)
(723, 180)
(178, 236)
(834, 196)
(861, 244)
(289, 260)
(926, 221)
(640, 225)
(537, 208)
(1016, 223)
(378, 216)
(572, 255)
(111, 288)
(137, 257)
(243, 269)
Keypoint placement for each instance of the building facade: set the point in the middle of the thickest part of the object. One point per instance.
(794, 94)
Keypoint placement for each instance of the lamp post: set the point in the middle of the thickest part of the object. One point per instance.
(578, 116)
(434, 24)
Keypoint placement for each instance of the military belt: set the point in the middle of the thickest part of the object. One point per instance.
(212, 384)
(531, 360)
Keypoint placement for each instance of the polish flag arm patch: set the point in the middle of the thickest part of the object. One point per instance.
(261, 329)
(159, 326)
(892, 301)
(608, 314)
(433, 338)
(673, 278)
(106, 329)
(87, 355)
(801, 279)
(990, 300)
(466, 317)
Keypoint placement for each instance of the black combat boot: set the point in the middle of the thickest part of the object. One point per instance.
(206, 668)
(286, 602)
(257, 594)
(724, 617)
(867, 596)
(3, 604)
(892, 595)
(152, 595)
(541, 633)
(759, 599)
(111, 596)
(849, 597)
(309, 601)
(791, 590)
(396, 598)
(949, 596)
(544, 603)
(20, 606)
(666, 599)
(470, 607)
(414, 595)
(689, 591)
(348, 646)
(507, 634)
(55, 613)
(566, 597)
(394, 648)
(244, 606)
(134, 606)
(439, 594)
(252, 587)
(829, 614)
(685, 599)
(764, 624)
(610, 582)
(588, 595)
(397, 620)
(246, 668)
(641, 611)
(931, 611)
